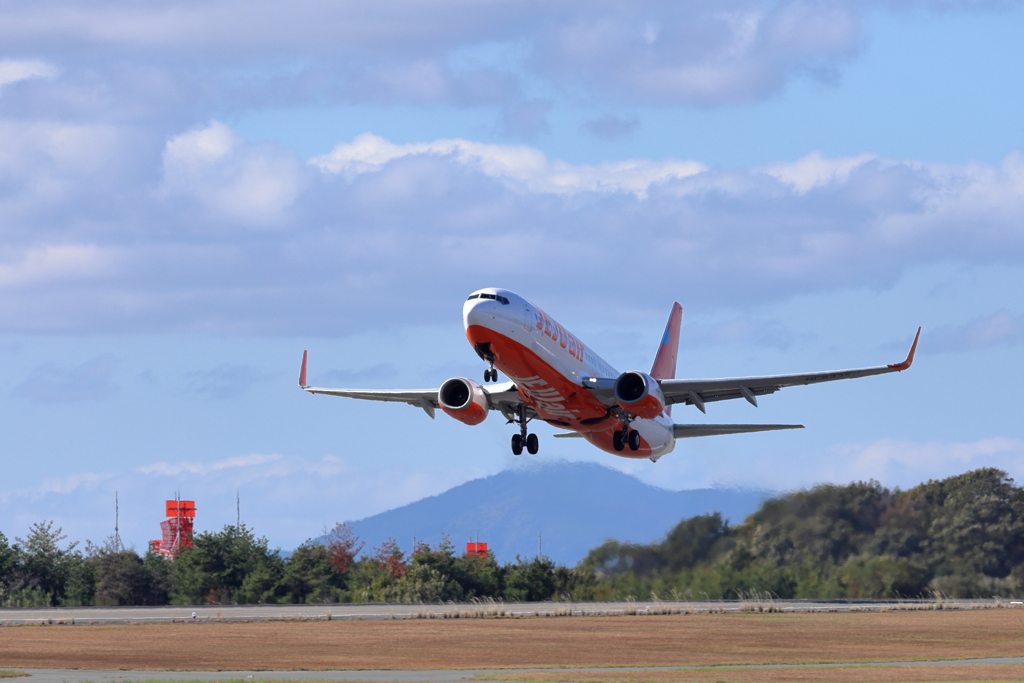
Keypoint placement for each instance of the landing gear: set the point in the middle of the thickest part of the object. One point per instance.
(490, 375)
(530, 441)
(622, 438)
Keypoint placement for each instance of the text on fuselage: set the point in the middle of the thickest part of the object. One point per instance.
(544, 324)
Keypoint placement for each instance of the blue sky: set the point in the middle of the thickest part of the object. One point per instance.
(192, 194)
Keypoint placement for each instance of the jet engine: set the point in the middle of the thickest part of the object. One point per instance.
(464, 400)
(639, 394)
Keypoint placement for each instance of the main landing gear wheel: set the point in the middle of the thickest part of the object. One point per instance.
(517, 444)
(532, 444)
(621, 438)
(490, 375)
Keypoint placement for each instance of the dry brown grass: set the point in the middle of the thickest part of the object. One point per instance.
(845, 674)
(12, 674)
(693, 640)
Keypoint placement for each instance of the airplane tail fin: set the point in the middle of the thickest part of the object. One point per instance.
(665, 361)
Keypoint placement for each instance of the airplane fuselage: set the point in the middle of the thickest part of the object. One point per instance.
(548, 365)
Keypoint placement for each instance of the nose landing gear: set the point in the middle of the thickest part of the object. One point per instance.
(490, 375)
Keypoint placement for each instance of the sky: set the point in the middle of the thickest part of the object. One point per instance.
(191, 194)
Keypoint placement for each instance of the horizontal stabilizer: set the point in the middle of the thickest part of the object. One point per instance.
(686, 431)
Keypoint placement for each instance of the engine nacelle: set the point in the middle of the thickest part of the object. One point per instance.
(639, 394)
(464, 400)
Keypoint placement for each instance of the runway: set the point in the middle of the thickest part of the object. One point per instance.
(436, 676)
(167, 614)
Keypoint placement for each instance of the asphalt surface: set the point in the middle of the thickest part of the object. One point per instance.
(436, 676)
(115, 615)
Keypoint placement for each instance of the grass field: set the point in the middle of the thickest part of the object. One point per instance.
(690, 640)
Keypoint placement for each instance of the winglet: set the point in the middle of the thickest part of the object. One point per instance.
(900, 367)
(302, 372)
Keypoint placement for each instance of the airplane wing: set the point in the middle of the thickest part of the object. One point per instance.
(686, 431)
(697, 392)
(501, 397)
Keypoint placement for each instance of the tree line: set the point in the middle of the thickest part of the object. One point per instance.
(234, 566)
(962, 537)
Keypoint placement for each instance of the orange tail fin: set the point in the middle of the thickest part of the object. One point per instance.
(665, 361)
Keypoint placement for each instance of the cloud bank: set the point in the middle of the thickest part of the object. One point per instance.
(223, 235)
(230, 54)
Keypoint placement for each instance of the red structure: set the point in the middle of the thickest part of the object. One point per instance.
(476, 550)
(176, 529)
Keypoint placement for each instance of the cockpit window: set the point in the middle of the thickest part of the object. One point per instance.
(503, 300)
(472, 296)
(488, 296)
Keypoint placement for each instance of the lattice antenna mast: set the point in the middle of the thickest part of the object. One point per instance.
(177, 512)
(117, 519)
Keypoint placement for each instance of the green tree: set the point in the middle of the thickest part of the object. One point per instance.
(692, 541)
(826, 522)
(159, 574)
(225, 567)
(43, 567)
(121, 577)
(530, 580)
(311, 575)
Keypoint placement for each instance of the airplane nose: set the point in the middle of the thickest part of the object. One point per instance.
(477, 312)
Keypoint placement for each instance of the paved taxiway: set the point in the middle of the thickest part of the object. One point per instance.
(114, 615)
(436, 676)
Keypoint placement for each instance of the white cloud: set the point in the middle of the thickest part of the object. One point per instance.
(392, 51)
(57, 263)
(222, 235)
(816, 170)
(184, 467)
(893, 462)
(520, 166)
(13, 71)
(697, 52)
(907, 463)
(1001, 328)
(243, 183)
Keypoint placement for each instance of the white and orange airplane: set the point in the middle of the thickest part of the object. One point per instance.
(556, 378)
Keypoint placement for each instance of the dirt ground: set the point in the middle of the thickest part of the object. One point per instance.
(859, 674)
(681, 640)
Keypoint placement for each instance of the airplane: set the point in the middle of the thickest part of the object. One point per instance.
(556, 378)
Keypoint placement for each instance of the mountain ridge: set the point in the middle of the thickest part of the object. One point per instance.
(564, 508)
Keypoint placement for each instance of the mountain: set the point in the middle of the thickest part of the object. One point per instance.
(573, 507)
